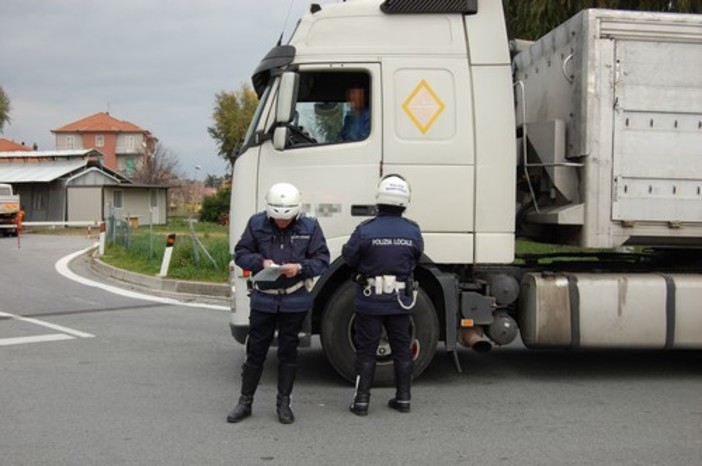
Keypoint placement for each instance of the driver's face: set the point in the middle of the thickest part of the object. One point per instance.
(356, 96)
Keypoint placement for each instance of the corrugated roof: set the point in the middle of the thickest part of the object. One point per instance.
(50, 153)
(38, 172)
(100, 122)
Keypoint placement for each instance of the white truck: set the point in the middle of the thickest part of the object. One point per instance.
(590, 136)
(9, 211)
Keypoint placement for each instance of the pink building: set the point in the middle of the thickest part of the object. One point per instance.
(122, 143)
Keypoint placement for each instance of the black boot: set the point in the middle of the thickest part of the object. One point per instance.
(250, 376)
(286, 378)
(364, 380)
(403, 380)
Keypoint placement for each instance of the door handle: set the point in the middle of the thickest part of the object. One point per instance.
(361, 210)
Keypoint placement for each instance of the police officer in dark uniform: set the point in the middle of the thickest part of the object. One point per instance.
(383, 252)
(279, 237)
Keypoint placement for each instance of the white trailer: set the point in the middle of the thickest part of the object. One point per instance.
(590, 137)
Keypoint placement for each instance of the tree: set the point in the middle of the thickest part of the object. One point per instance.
(4, 109)
(531, 20)
(232, 115)
(157, 167)
(213, 181)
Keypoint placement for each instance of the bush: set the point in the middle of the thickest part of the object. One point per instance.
(216, 208)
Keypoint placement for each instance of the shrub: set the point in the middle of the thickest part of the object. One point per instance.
(215, 208)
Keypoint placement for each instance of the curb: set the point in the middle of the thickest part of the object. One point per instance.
(219, 290)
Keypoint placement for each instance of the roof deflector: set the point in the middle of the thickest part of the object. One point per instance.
(278, 58)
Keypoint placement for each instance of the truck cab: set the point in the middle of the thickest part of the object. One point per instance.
(425, 78)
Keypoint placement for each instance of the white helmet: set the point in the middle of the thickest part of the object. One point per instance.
(283, 201)
(393, 190)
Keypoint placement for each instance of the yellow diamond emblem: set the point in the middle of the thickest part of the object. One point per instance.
(423, 106)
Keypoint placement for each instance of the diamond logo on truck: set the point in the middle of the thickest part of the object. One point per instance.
(423, 106)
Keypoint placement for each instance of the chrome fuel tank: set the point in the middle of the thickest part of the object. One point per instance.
(585, 310)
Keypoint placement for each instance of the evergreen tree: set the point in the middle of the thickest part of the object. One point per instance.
(532, 19)
(4, 109)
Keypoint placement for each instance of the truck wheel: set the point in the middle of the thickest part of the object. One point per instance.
(337, 336)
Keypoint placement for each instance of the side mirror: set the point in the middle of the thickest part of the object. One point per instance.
(287, 97)
(280, 136)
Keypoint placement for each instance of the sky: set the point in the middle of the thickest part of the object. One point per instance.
(155, 63)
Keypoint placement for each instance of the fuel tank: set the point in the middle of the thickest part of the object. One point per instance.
(588, 310)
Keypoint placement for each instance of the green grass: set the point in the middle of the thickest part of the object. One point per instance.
(143, 252)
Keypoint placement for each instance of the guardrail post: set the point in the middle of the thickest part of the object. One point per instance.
(170, 242)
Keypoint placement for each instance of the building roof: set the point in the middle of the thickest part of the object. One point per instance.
(8, 145)
(38, 172)
(51, 154)
(100, 122)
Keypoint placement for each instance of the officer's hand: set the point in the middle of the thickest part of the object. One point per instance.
(290, 270)
(267, 263)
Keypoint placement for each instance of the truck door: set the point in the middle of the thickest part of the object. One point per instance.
(336, 169)
(429, 140)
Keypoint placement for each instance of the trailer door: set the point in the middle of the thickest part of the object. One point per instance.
(657, 174)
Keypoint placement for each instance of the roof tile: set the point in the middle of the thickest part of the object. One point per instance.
(100, 122)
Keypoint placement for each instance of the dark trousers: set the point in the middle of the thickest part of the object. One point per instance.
(262, 326)
(369, 329)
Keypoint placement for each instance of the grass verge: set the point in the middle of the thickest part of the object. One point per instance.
(203, 256)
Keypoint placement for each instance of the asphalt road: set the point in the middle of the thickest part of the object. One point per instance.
(92, 377)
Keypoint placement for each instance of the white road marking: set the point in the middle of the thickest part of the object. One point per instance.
(62, 268)
(37, 339)
(68, 333)
(60, 328)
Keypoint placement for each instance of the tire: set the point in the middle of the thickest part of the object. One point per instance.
(337, 333)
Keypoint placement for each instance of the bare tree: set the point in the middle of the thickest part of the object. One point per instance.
(157, 167)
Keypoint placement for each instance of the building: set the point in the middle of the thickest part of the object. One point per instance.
(64, 186)
(7, 145)
(122, 143)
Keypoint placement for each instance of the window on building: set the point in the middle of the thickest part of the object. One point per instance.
(70, 142)
(99, 140)
(117, 199)
(130, 143)
(332, 107)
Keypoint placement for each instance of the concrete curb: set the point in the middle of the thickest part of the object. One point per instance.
(220, 290)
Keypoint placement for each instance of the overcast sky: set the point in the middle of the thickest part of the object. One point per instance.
(155, 63)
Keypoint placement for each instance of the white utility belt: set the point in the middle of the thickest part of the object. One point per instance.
(280, 291)
(383, 284)
(388, 284)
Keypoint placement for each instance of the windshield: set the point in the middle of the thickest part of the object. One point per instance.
(249, 138)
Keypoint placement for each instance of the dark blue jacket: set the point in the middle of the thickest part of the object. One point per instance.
(356, 126)
(387, 244)
(302, 242)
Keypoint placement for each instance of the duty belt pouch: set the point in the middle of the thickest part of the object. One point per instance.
(389, 284)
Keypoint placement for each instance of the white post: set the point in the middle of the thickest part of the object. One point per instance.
(101, 241)
(167, 255)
